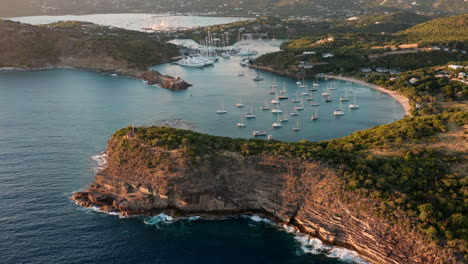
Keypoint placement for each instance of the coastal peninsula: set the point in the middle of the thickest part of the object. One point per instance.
(86, 46)
(352, 192)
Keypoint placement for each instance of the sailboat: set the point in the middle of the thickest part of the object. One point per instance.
(240, 104)
(277, 124)
(259, 134)
(274, 85)
(328, 99)
(284, 93)
(314, 116)
(344, 99)
(251, 113)
(241, 123)
(284, 90)
(276, 110)
(284, 119)
(265, 106)
(339, 112)
(354, 105)
(221, 111)
(326, 92)
(333, 86)
(275, 100)
(316, 84)
(297, 128)
(302, 84)
(272, 90)
(299, 107)
(297, 100)
(258, 78)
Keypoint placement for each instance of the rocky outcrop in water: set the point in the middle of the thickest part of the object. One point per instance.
(165, 81)
(144, 179)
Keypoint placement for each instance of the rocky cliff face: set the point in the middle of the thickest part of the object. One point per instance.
(142, 179)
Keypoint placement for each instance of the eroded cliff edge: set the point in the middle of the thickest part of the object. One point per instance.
(156, 169)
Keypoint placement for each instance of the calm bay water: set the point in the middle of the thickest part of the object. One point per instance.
(52, 122)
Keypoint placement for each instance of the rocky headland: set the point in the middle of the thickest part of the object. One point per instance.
(310, 186)
(86, 46)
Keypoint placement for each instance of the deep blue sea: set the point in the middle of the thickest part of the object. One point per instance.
(52, 123)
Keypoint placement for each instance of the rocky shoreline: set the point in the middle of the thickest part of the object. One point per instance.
(310, 196)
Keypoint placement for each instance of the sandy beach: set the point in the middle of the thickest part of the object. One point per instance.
(396, 95)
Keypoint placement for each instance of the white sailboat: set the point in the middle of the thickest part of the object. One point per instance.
(314, 116)
(240, 104)
(339, 112)
(297, 128)
(296, 100)
(276, 110)
(265, 106)
(283, 93)
(277, 124)
(258, 78)
(275, 100)
(241, 123)
(354, 105)
(250, 114)
(274, 85)
(259, 134)
(345, 99)
(284, 119)
(294, 113)
(221, 110)
(299, 107)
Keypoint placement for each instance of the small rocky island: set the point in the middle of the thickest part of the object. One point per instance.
(340, 191)
(165, 81)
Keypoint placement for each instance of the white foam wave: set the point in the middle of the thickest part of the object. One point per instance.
(100, 162)
(257, 219)
(310, 245)
(160, 220)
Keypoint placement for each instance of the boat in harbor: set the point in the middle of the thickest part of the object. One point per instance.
(354, 105)
(314, 116)
(296, 100)
(299, 107)
(283, 93)
(284, 119)
(297, 128)
(274, 85)
(250, 114)
(241, 123)
(265, 106)
(339, 111)
(259, 134)
(294, 113)
(345, 99)
(240, 104)
(257, 78)
(276, 110)
(221, 110)
(277, 124)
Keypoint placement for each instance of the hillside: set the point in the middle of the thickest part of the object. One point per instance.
(394, 193)
(442, 30)
(81, 45)
(314, 8)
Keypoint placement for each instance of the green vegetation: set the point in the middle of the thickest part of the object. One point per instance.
(441, 30)
(394, 164)
(87, 44)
